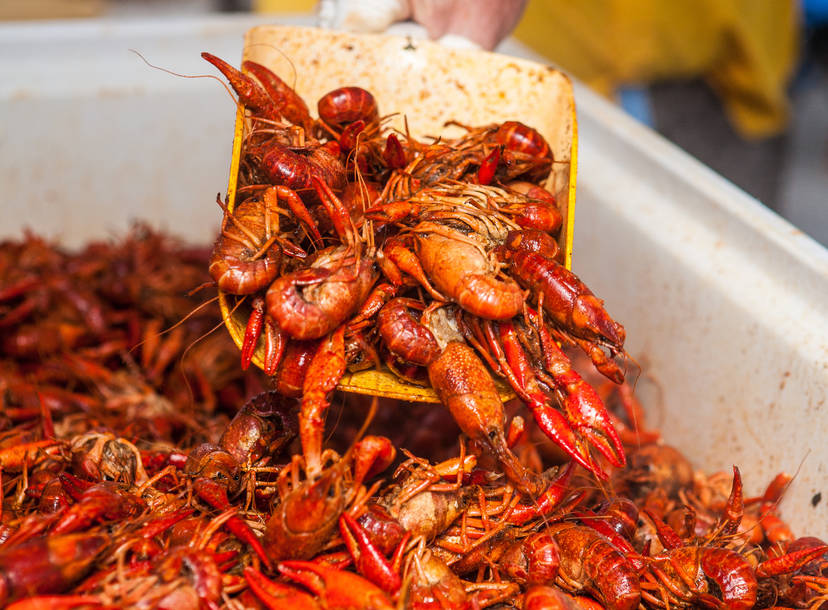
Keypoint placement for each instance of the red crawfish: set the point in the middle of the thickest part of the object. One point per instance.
(578, 559)
(311, 302)
(289, 166)
(523, 151)
(263, 426)
(49, 564)
(570, 304)
(247, 254)
(683, 573)
(459, 268)
(544, 597)
(421, 506)
(347, 105)
(683, 576)
(461, 382)
(250, 93)
(457, 232)
(336, 588)
(433, 584)
(265, 94)
(286, 101)
(519, 137)
(99, 503)
(257, 431)
(247, 257)
(102, 455)
(278, 595)
(541, 213)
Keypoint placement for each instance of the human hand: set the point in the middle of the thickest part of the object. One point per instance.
(484, 22)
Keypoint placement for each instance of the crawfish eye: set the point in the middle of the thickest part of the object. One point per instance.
(492, 434)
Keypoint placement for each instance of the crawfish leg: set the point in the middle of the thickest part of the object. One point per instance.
(340, 216)
(298, 208)
(324, 373)
(216, 495)
(520, 375)
(275, 342)
(276, 594)
(584, 408)
(252, 332)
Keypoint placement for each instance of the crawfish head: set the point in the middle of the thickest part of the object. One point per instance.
(714, 577)
(305, 518)
(266, 423)
(215, 463)
(658, 467)
(100, 455)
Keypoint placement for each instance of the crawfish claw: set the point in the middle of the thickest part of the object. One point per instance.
(556, 427)
(588, 416)
(369, 560)
(336, 588)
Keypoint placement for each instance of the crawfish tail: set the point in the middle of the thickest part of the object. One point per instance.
(320, 308)
(733, 575)
(234, 263)
(404, 336)
(588, 559)
(463, 384)
(346, 105)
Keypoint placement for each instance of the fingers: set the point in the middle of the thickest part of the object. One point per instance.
(483, 22)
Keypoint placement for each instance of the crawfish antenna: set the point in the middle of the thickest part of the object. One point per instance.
(179, 75)
(372, 411)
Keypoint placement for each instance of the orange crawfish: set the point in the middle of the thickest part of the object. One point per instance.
(306, 513)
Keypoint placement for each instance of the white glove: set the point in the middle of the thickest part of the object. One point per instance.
(362, 15)
(457, 23)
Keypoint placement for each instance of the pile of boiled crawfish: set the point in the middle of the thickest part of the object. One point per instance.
(131, 478)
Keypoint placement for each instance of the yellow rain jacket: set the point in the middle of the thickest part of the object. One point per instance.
(745, 49)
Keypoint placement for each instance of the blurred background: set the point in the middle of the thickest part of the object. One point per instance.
(742, 85)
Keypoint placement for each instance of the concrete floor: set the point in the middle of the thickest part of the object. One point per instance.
(803, 194)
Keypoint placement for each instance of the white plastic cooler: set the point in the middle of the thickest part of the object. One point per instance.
(725, 303)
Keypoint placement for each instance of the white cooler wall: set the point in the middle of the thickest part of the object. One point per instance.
(725, 306)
